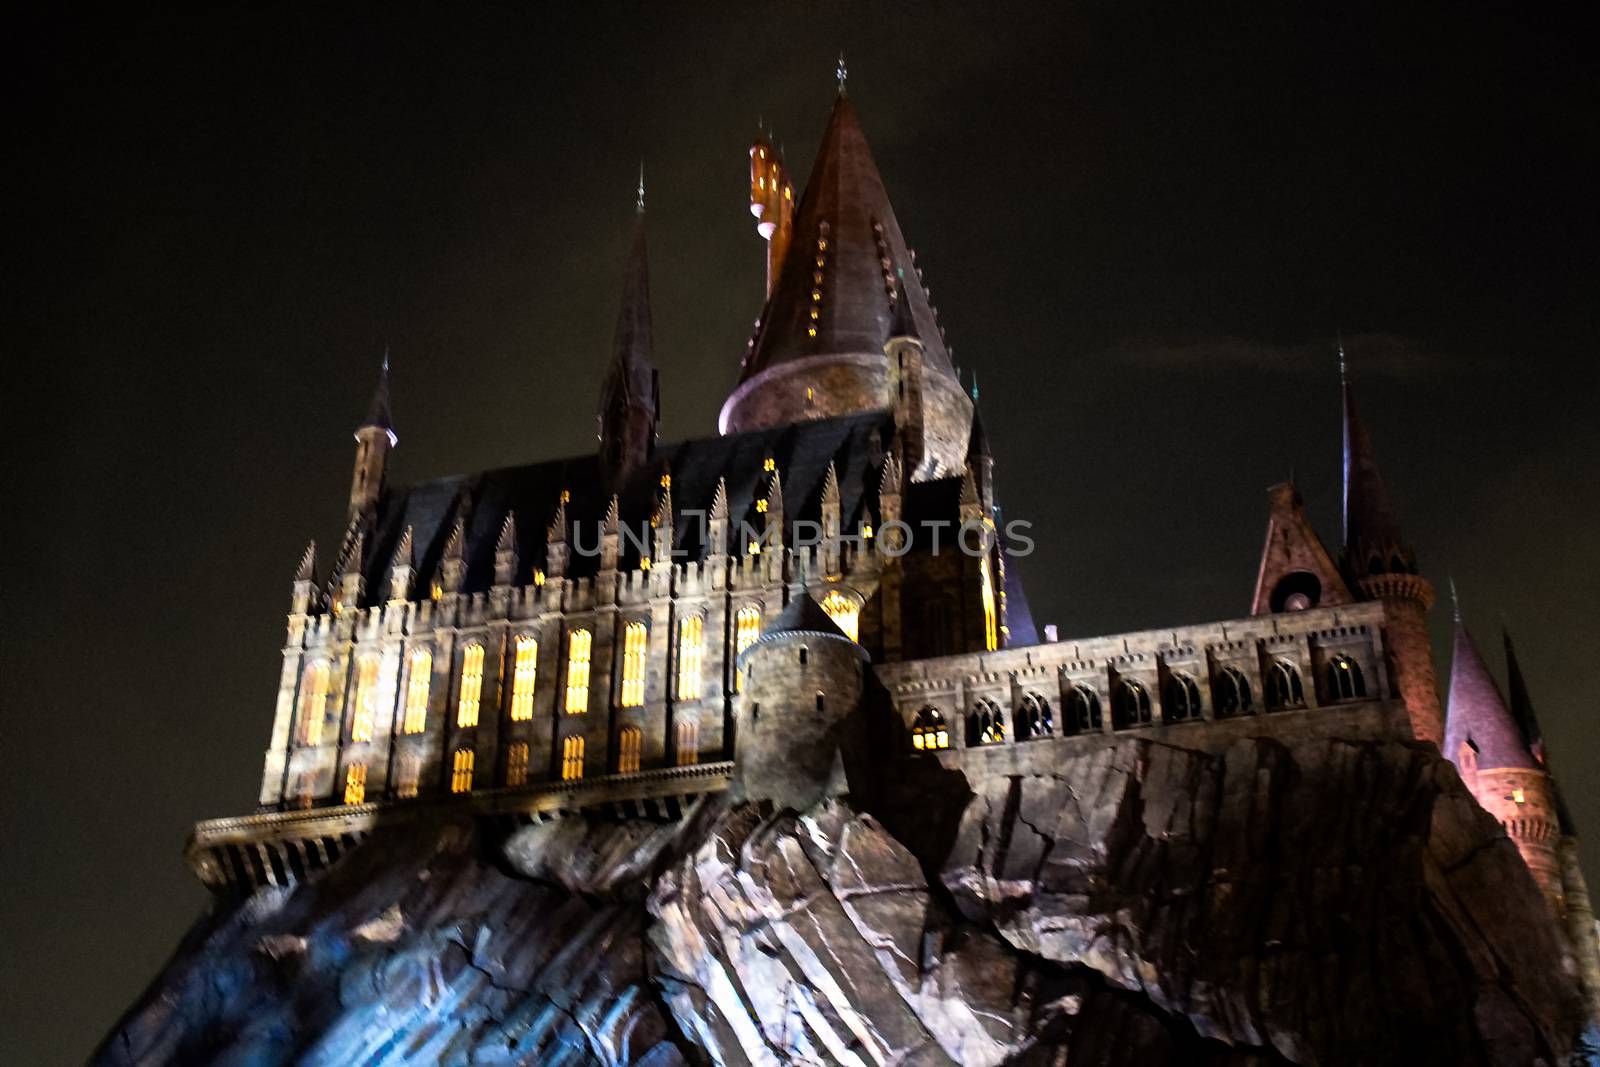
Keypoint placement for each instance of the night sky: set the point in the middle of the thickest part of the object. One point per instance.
(1142, 227)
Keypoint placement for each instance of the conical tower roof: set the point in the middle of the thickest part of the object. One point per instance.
(1478, 714)
(378, 413)
(804, 615)
(631, 377)
(1370, 528)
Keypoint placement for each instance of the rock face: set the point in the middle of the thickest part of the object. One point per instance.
(1316, 903)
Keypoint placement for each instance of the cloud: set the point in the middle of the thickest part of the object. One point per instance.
(1370, 355)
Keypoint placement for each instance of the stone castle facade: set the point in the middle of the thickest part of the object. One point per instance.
(819, 594)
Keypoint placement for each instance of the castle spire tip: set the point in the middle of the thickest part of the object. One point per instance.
(1455, 598)
(841, 72)
(639, 203)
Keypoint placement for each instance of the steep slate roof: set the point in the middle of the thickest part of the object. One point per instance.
(378, 413)
(857, 312)
(1478, 714)
(1527, 721)
(632, 374)
(1369, 522)
(804, 615)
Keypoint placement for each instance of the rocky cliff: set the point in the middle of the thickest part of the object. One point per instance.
(1322, 902)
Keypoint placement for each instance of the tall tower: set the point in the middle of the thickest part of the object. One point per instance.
(375, 438)
(1379, 565)
(819, 346)
(630, 400)
(771, 202)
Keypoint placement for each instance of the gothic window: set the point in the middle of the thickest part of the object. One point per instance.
(629, 741)
(572, 759)
(517, 764)
(928, 731)
(461, 771)
(410, 775)
(1083, 711)
(366, 699)
(691, 656)
(746, 628)
(986, 725)
(471, 685)
(1231, 693)
(991, 624)
(579, 643)
(688, 742)
(1181, 699)
(525, 672)
(635, 639)
(355, 783)
(845, 611)
(417, 691)
(313, 703)
(1344, 679)
(1130, 705)
(1283, 687)
(305, 789)
(1034, 718)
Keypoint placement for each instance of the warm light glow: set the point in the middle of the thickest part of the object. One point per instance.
(845, 612)
(755, 548)
(747, 627)
(629, 743)
(634, 638)
(811, 331)
(524, 673)
(866, 531)
(929, 732)
(1518, 797)
(578, 645)
(769, 464)
(437, 591)
(644, 563)
(691, 656)
(666, 481)
(461, 771)
(517, 764)
(991, 632)
(761, 506)
(366, 699)
(471, 685)
(566, 496)
(572, 759)
(417, 691)
(355, 783)
(688, 743)
(538, 577)
(313, 703)
(410, 773)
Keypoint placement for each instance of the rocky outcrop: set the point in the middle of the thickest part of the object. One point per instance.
(1320, 902)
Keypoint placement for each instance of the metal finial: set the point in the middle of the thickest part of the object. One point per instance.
(386, 360)
(1455, 600)
(841, 72)
(1343, 376)
(974, 386)
(639, 204)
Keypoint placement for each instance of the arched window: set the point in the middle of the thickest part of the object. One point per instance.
(991, 618)
(986, 725)
(1130, 705)
(1231, 693)
(691, 656)
(572, 759)
(525, 672)
(1283, 687)
(355, 783)
(410, 774)
(313, 703)
(579, 643)
(1083, 711)
(417, 691)
(461, 771)
(471, 685)
(629, 741)
(1344, 679)
(928, 731)
(1180, 700)
(746, 628)
(517, 764)
(687, 742)
(845, 611)
(634, 641)
(366, 699)
(1034, 718)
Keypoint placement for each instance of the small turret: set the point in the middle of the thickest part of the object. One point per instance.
(771, 202)
(375, 438)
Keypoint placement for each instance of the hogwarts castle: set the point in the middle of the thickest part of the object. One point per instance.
(731, 676)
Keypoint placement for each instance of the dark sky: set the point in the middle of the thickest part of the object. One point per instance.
(1142, 225)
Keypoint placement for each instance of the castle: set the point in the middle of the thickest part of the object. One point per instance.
(823, 590)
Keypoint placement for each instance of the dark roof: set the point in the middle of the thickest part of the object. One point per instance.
(804, 615)
(1477, 714)
(1019, 615)
(631, 375)
(856, 311)
(378, 413)
(1527, 721)
(1369, 522)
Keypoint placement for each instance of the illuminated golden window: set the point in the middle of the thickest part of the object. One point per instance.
(634, 640)
(410, 774)
(436, 592)
(761, 506)
(769, 464)
(461, 771)
(929, 731)
(629, 743)
(691, 656)
(313, 703)
(746, 628)
(991, 629)
(366, 699)
(517, 764)
(579, 643)
(417, 691)
(538, 577)
(525, 673)
(1518, 796)
(355, 783)
(687, 736)
(845, 611)
(471, 685)
(572, 759)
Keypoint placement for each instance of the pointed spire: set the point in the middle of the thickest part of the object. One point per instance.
(889, 484)
(638, 206)
(378, 413)
(630, 401)
(1477, 714)
(841, 72)
(507, 541)
(1455, 598)
(307, 570)
(505, 551)
(1521, 703)
(1296, 571)
(1371, 533)
(613, 521)
(719, 500)
(830, 486)
(404, 552)
(902, 323)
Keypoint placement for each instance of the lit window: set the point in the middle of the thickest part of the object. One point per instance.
(769, 464)
(437, 591)
(991, 628)
(845, 612)
(986, 725)
(366, 699)
(691, 656)
(634, 637)
(517, 764)
(572, 759)
(355, 783)
(746, 628)
(578, 645)
(538, 577)
(410, 774)
(471, 685)
(461, 771)
(1344, 679)
(928, 731)
(761, 506)
(417, 691)
(1518, 797)
(313, 703)
(629, 743)
(524, 674)
(687, 736)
